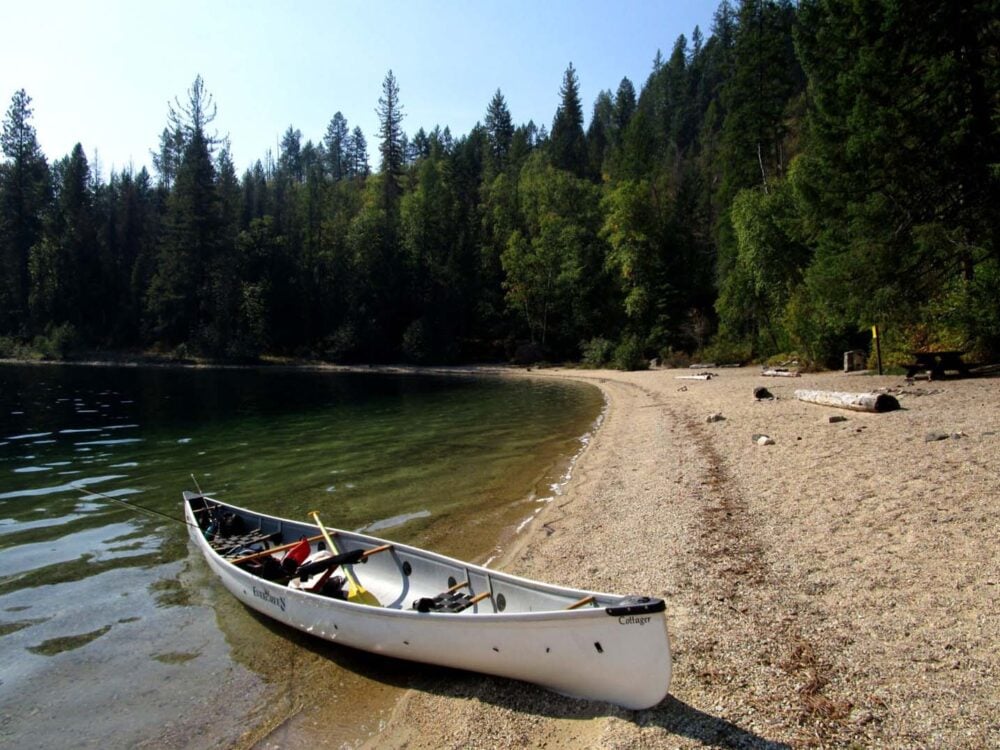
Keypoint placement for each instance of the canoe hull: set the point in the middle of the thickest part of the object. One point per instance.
(621, 658)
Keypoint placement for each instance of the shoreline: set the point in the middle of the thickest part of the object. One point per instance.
(838, 587)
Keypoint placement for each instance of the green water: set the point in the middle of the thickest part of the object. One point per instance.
(109, 628)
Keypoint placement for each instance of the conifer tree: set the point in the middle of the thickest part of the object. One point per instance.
(499, 129)
(625, 103)
(391, 149)
(600, 134)
(25, 192)
(66, 276)
(290, 155)
(358, 150)
(180, 293)
(567, 145)
(337, 141)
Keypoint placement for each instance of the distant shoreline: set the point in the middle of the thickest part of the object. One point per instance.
(276, 365)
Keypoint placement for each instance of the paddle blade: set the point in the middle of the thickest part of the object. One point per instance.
(362, 596)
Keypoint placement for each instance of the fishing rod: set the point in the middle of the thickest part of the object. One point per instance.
(143, 508)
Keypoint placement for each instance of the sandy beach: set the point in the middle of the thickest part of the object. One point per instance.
(838, 588)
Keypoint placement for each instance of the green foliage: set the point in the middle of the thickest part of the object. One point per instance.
(57, 342)
(25, 191)
(500, 129)
(13, 348)
(629, 355)
(768, 266)
(897, 189)
(553, 263)
(805, 171)
(724, 352)
(568, 144)
(390, 117)
(417, 346)
(597, 352)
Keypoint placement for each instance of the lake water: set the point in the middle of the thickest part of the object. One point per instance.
(113, 634)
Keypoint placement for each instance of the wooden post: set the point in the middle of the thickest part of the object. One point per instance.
(872, 402)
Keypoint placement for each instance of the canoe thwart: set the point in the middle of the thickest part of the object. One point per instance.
(307, 570)
(272, 550)
(582, 602)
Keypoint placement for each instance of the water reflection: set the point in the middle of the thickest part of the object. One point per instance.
(93, 593)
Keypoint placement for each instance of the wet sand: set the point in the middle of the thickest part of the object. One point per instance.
(837, 588)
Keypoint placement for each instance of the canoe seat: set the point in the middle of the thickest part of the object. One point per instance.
(449, 601)
(224, 545)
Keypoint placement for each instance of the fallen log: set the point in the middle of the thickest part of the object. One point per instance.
(780, 373)
(871, 402)
(706, 376)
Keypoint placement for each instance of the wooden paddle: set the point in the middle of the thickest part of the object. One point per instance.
(355, 591)
(272, 550)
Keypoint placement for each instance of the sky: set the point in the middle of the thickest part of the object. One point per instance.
(103, 72)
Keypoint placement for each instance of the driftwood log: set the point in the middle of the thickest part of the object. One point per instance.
(705, 376)
(780, 374)
(873, 402)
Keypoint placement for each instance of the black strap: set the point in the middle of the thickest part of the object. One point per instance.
(345, 558)
(454, 602)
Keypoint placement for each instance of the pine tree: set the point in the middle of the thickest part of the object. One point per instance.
(765, 76)
(899, 180)
(180, 295)
(390, 117)
(66, 275)
(137, 226)
(290, 155)
(25, 192)
(600, 134)
(568, 146)
(499, 130)
(419, 147)
(337, 141)
(167, 159)
(625, 103)
(358, 154)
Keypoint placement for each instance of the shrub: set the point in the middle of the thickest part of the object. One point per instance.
(343, 344)
(597, 352)
(417, 342)
(676, 360)
(528, 353)
(725, 352)
(57, 342)
(629, 355)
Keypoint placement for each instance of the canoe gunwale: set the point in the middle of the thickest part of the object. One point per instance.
(608, 604)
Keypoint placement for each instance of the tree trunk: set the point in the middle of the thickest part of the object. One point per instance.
(871, 402)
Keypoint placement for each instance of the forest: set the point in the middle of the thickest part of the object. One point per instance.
(774, 188)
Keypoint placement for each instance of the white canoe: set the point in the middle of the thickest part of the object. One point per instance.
(439, 610)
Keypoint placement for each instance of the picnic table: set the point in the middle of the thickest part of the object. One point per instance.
(937, 363)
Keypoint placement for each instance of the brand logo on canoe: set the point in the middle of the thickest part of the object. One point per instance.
(267, 596)
(634, 620)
